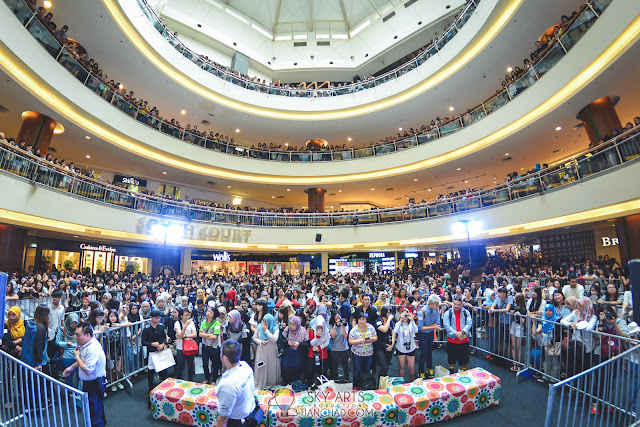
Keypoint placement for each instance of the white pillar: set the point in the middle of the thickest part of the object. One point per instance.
(185, 261)
(324, 260)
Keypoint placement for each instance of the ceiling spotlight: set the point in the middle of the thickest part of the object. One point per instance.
(451, 108)
(339, 191)
(415, 179)
(458, 169)
(288, 189)
(88, 137)
(429, 190)
(88, 156)
(183, 112)
(372, 189)
(521, 169)
(228, 186)
(273, 197)
(237, 130)
(509, 69)
(506, 154)
(164, 173)
(559, 128)
(466, 181)
(286, 144)
(120, 86)
(47, 4)
(399, 128)
(349, 139)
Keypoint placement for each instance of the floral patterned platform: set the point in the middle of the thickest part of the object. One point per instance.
(440, 399)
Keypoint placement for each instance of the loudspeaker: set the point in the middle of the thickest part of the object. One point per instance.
(318, 237)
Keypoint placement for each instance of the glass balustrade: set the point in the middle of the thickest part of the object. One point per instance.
(622, 150)
(31, 20)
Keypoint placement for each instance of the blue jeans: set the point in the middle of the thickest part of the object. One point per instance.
(360, 364)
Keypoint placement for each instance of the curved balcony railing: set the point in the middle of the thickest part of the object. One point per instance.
(623, 149)
(573, 33)
(229, 76)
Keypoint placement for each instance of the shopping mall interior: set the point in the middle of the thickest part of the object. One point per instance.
(306, 145)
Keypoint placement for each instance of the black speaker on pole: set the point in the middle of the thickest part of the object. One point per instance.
(319, 239)
(634, 270)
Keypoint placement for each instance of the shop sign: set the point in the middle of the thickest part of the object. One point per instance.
(101, 248)
(222, 257)
(377, 255)
(122, 179)
(196, 232)
(411, 255)
(610, 241)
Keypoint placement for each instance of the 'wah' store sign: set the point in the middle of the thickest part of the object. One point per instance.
(182, 231)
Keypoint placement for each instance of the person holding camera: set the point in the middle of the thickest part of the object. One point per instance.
(457, 322)
(383, 347)
(339, 344)
(405, 333)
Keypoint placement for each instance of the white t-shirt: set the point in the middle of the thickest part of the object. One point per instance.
(405, 333)
(577, 292)
(191, 329)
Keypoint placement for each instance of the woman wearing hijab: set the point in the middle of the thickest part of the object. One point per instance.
(550, 339)
(490, 321)
(12, 342)
(66, 340)
(583, 321)
(267, 366)
(222, 318)
(145, 310)
(236, 331)
(295, 336)
(319, 340)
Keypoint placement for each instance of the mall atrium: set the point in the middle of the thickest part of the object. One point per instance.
(325, 139)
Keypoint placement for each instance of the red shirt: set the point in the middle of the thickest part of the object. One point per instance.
(457, 340)
(323, 352)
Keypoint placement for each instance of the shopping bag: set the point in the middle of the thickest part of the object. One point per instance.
(162, 359)
(326, 385)
(440, 371)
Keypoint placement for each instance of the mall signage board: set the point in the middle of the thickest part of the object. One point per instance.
(129, 180)
(187, 231)
(610, 241)
(224, 256)
(377, 255)
(99, 248)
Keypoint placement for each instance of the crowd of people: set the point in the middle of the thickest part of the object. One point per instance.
(293, 329)
(143, 111)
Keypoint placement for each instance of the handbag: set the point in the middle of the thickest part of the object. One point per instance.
(189, 347)
(554, 349)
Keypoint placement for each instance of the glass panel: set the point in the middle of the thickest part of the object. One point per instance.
(522, 83)
(630, 148)
(600, 5)
(428, 136)
(559, 177)
(444, 208)
(407, 143)
(450, 127)
(495, 197)
(578, 29)
(551, 58)
(300, 157)
(363, 152)
(598, 161)
(20, 9)
(496, 102)
(473, 116)
(384, 149)
(41, 33)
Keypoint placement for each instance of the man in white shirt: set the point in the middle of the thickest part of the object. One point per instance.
(573, 289)
(91, 360)
(236, 388)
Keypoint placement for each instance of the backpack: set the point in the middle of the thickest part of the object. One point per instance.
(367, 381)
(464, 311)
(30, 330)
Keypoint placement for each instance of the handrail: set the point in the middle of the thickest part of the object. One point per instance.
(553, 54)
(624, 148)
(251, 84)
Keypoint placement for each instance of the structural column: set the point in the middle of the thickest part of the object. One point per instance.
(324, 259)
(315, 197)
(185, 261)
(600, 118)
(37, 130)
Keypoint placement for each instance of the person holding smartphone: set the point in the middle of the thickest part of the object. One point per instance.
(339, 344)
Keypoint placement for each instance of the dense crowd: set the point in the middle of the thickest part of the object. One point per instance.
(143, 111)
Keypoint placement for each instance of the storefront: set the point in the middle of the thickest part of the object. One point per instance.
(100, 257)
(244, 263)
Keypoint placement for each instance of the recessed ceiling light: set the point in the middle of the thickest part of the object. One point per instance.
(399, 128)
(521, 169)
(164, 173)
(339, 191)
(120, 86)
(559, 128)
(458, 169)
(466, 182)
(429, 190)
(372, 189)
(286, 144)
(183, 112)
(415, 179)
(47, 4)
(451, 108)
(288, 189)
(273, 197)
(88, 156)
(237, 130)
(509, 69)
(88, 137)
(349, 139)
(506, 154)
(228, 186)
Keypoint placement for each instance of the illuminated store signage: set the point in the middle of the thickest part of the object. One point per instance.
(432, 254)
(377, 255)
(184, 231)
(610, 241)
(222, 257)
(101, 248)
(129, 180)
(411, 255)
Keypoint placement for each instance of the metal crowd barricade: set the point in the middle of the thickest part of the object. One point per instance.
(122, 345)
(27, 305)
(610, 388)
(30, 398)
